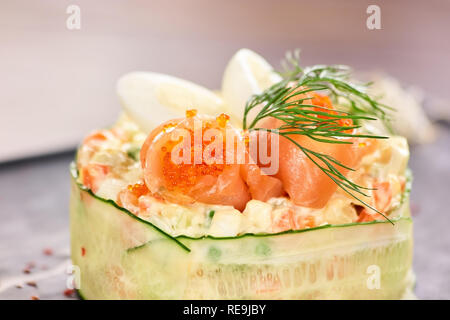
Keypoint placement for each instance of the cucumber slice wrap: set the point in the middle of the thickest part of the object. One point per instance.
(121, 256)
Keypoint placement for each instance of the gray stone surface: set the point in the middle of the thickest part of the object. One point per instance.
(34, 196)
(34, 216)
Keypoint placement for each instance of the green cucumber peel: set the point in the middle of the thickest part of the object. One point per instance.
(176, 239)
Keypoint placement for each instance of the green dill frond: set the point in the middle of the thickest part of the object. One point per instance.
(288, 102)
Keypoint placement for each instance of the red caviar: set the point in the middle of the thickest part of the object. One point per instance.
(191, 113)
(185, 175)
(223, 119)
(138, 189)
(192, 162)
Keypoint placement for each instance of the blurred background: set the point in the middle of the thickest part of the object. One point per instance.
(58, 84)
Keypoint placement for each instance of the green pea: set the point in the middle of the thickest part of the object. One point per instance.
(263, 249)
(214, 254)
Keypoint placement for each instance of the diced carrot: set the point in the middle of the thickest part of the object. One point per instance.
(382, 195)
(93, 174)
(382, 198)
(282, 221)
(94, 137)
(402, 181)
(302, 222)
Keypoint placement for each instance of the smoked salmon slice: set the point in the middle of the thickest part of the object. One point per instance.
(215, 180)
(262, 187)
(303, 180)
(209, 180)
(306, 184)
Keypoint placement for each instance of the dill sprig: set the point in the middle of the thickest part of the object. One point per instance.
(288, 100)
